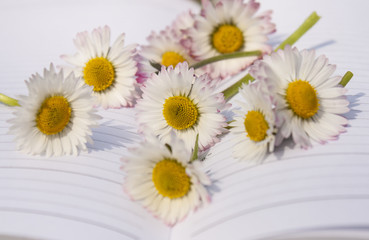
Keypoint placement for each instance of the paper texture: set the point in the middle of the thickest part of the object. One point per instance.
(294, 191)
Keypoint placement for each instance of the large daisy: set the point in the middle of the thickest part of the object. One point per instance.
(163, 180)
(111, 70)
(176, 100)
(308, 96)
(255, 124)
(56, 117)
(227, 27)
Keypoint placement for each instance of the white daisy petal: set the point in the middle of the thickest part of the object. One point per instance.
(227, 27)
(163, 180)
(106, 68)
(255, 124)
(308, 97)
(176, 100)
(165, 48)
(55, 119)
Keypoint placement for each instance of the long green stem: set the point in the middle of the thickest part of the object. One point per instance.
(233, 90)
(225, 57)
(195, 149)
(300, 31)
(221, 57)
(346, 78)
(8, 100)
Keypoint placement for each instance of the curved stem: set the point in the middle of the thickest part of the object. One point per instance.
(300, 31)
(225, 57)
(8, 100)
(233, 90)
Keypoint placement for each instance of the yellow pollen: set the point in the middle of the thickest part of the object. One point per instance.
(99, 73)
(302, 99)
(256, 126)
(53, 115)
(170, 178)
(227, 38)
(180, 112)
(171, 59)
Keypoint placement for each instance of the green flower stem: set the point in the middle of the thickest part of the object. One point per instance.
(233, 90)
(304, 27)
(195, 149)
(8, 100)
(221, 57)
(225, 57)
(346, 78)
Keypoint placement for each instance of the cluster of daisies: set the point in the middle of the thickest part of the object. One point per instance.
(179, 108)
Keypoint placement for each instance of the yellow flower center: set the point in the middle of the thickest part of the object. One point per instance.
(99, 73)
(170, 178)
(180, 112)
(53, 115)
(227, 38)
(302, 99)
(256, 126)
(171, 59)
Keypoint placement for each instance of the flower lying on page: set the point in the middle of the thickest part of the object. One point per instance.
(308, 97)
(56, 117)
(227, 27)
(111, 70)
(164, 48)
(179, 108)
(255, 124)
(162, 178)
(177, 100)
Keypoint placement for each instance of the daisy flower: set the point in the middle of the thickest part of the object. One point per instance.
(309, 98)
(164, 48)
(255, 124)
(227, 27)
(163, 180)
(176, 100)
(111, 70)
(183, 23)
(56, 117)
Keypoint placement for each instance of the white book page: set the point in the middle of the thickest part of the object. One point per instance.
(323, 190)
(71, 197)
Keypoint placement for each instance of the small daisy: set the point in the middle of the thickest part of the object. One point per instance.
(254, 125)
(227, 27)
(111, 70)
(183, 23)
(164, 48)
(161, 178)
(309, 98)
(56, 117)
(176, 100)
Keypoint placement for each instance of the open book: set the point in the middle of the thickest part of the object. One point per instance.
(319, 193)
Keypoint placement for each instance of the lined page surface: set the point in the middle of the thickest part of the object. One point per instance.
(297, 190)
(71, 197)
(74, 197)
